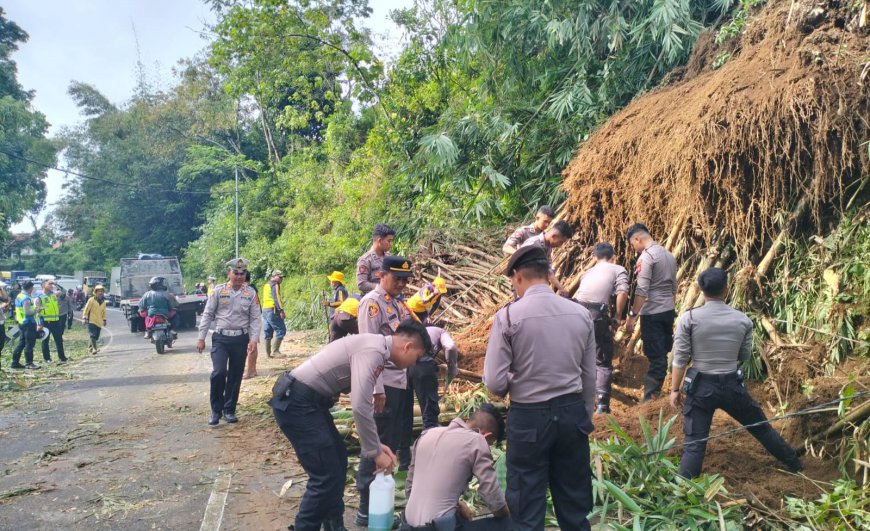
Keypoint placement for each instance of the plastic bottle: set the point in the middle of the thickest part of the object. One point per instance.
(382, 500)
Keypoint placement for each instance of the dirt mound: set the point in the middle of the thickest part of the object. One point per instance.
(713, 157)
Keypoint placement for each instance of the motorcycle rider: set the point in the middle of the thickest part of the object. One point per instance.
(159, 301)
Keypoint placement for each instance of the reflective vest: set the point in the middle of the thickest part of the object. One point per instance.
(20, 317)
(349, 306)
(425, 299)
(49, 309)
(266, 300)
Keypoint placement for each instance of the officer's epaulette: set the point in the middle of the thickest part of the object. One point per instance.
(507, 310)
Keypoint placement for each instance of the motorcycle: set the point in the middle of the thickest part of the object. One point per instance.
(160, 332)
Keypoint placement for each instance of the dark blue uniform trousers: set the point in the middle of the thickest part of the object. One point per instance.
(308, 425)
(228, 355)
(27, 341)
(726, 392)
(657, 334)
(548, 444)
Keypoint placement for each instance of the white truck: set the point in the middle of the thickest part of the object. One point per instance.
(132, 282)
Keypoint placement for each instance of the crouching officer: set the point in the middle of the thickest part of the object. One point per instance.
(344, 320)
(301, 400)
(541, 351)
(444, 461)
(234, 310)
(716, 338)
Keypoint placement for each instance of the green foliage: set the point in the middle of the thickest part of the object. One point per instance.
(738, 20)
(641, 478)
(22, 137)
(847, 506)
(824, 285)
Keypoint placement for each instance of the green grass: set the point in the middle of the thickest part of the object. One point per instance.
(75, 343)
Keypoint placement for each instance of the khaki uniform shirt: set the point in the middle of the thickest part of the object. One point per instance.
(540, 347)
(443, 463)
(714, 337)
(520, 235)
(232, 310)
(601, 281)
(442, 342)
(379, 313)
(366, 268)
(656, 271)
(539, 241)
(351, 364)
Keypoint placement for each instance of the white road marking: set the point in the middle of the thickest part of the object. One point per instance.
(214, 509)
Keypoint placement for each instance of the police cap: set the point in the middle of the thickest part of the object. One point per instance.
(239, 264)
(397, 265)
(525, 256)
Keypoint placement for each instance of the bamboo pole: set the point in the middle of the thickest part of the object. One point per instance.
(779, 242)
(856, 415)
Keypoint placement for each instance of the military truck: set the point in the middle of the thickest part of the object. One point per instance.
(132, 282)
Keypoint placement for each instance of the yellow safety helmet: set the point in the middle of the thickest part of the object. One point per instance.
(336, 276)
(99, 287)
(441, 284)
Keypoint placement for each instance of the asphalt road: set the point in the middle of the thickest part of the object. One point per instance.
(125, 445)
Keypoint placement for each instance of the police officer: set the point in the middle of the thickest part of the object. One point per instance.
(555, 236)
(656, 272)
(442, 343)
(541, 351)
(344, 321)
(26, 312)
(301, 400)
(380, 312)
(716, 338)
(273, 313)
(234, 310)
(49, 316)
(368, 266)
(595, 291)
(444, 461)
(543, 218)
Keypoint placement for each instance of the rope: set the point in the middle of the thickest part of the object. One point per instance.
(818, 408)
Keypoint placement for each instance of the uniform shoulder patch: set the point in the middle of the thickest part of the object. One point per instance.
(362, 269)
(378, 371)
(373, 310)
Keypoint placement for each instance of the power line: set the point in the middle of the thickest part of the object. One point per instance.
(147, 188)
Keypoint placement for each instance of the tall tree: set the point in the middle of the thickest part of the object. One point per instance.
(22, 137)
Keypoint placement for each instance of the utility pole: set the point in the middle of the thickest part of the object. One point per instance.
(237, 211)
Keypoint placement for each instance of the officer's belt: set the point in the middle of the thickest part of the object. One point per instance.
(602, 307)
(722, 378)
(230, 333)
(300, 390)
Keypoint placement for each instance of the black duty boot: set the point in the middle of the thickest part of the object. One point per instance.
(334, 523)
(603, 403)
(362, 514)
(651, 389)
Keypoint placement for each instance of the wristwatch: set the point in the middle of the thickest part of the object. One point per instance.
(631, 313)
(675, 390)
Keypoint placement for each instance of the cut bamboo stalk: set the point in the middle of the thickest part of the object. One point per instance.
(779, 242)
(856, 415)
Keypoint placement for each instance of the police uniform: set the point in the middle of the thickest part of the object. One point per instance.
(344, 322)
(656, 272)
(235, 317)
(443, 343)
(25, 315)
(445, 458)
(381, 313)
(367, 268)
(541, 351)
(49, 316)
(300, 402)
(519, 236)
(597, 286)
(715, 338)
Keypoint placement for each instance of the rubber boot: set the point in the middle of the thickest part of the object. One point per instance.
(651, 389)
(276, 348)
(603, 403)
(268, 348)
(92, 347)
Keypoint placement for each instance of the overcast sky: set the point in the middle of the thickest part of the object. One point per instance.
(95, 41)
